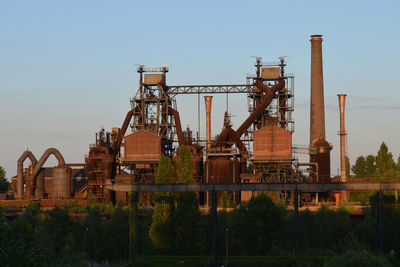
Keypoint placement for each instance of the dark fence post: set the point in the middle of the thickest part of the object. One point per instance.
(296, 221)
(214, 226)
(380, 219)
(132, 225)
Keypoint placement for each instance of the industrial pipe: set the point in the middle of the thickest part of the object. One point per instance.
(45, 156)
(20, 167)
(121, 134)
(178, 125)
(229, 135)
(270, 92)
(208, 100)
(342, 133)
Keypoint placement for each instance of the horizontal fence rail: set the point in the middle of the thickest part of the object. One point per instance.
(306, 187)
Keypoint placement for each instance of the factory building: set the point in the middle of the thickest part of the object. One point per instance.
(259, 150)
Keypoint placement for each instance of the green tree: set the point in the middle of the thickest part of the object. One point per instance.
(398, 168)
(385, 166)
(347, 167)
(53, 234)
(189, 233)
(359, 167)
(252, 223)
(184, 166)
(4, 184)
(370, 166)
(161, 230)
(165, 171)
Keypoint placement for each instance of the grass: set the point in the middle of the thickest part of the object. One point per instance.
(194, 261)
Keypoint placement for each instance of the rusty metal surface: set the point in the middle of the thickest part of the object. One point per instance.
(342, 133)
(228, 135)
(178, 125)
(31, 180)
(153, 79)
(45, 156)
(20, 178)
(142, 145)
(61, 183)
(220, 170)
(208, 100)
(270, 73)
(270, 92)
(323, 159)
(121, 134)
(99, 167)
(272, 142)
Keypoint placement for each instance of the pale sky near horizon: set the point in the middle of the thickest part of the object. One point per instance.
(68, 67)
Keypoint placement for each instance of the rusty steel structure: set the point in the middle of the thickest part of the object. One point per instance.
(156, 130)
(258, 150)
(30, 184)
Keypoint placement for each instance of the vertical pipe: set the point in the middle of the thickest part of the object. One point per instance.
(198, 118)
(317, 112)
(342, 133)
(208, 100)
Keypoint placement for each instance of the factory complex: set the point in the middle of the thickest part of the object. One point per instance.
(258, 151)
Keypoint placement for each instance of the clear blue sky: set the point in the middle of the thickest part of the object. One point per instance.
(68, 67)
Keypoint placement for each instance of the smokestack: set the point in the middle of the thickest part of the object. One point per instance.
(342, 133)
(208, 100)
(317, 114)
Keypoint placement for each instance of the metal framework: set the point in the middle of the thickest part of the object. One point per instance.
(151, 112)
(210, 89)
(303, 149)
(279, 112)
(142, 172)
(274, 171)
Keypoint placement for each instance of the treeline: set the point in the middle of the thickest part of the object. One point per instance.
(256, 228)
(380, 167)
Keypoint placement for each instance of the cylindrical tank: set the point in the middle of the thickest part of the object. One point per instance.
(220, 170)
(61, 182)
